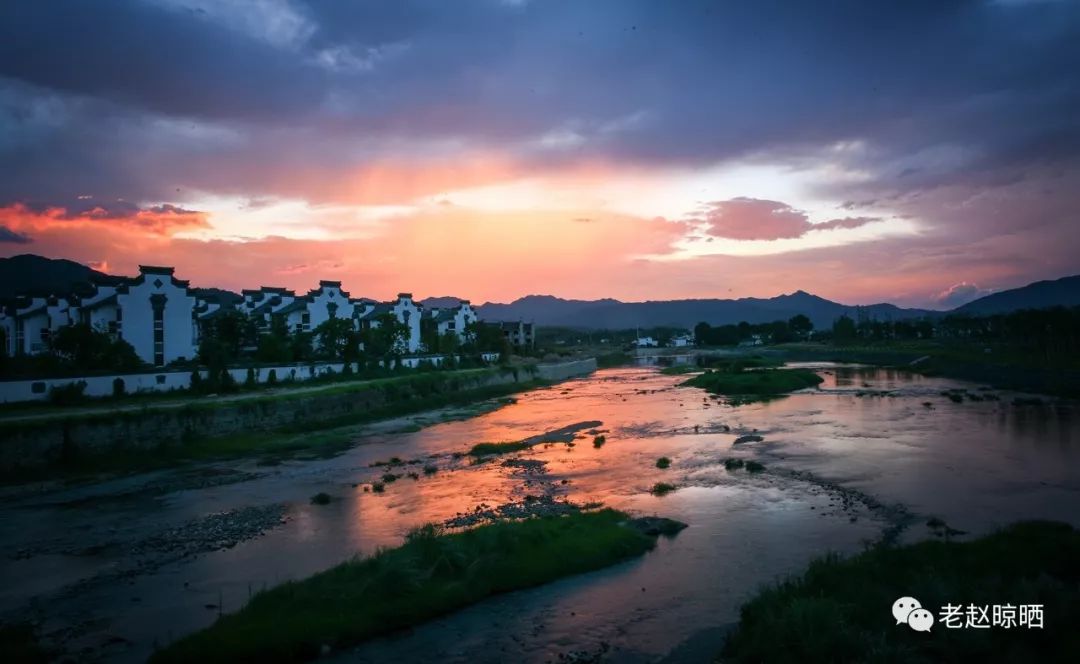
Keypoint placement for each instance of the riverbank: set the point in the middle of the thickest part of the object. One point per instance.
(999, 367)
(839, 609)
(282, 423)
(430, 574)
(756, 384)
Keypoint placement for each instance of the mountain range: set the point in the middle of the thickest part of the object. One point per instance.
(36, 275)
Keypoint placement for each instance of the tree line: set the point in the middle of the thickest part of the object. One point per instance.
(235, 338)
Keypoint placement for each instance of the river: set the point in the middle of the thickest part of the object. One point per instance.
(113, 569)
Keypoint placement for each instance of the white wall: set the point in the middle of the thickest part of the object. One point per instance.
(102, 386)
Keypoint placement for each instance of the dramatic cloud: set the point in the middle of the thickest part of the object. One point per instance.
(159, 219)
(959, 294)
(12, 237)
(940, 136)
(753, 219)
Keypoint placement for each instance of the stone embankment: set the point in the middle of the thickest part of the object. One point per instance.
(53, 439)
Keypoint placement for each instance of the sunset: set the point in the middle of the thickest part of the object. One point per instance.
(540, 331)
(861, 152)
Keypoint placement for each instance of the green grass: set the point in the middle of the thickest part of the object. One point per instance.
(839, 610)
(663, 462)
(662, 489)
(482, 449)
(759, 383)
(432, 573)
(679, 369)
(614, 359)
(754, 466)
(733, 464)
(599, 441)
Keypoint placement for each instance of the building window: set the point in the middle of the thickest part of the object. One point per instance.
(158, 304)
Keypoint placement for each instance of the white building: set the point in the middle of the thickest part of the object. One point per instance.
(682, 341)
(454, 319)
(404, 309)
(518, 334)
(647, 342)
(164, 319)
(157, 311)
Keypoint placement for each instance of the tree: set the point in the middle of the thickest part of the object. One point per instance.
(448, 343)
(230, 332)
(801, 326)
(275, 345)
(82, 348)
(387, 338)
(336, 338)
(485, 338)
(429, 335)
(843, 330)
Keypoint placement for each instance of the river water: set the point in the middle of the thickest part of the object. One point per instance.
(115, 568)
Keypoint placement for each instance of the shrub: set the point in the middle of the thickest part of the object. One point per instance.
(67, 394)
(599, 441)
(118, 387)
(430, 470)
(378, 487)
(249, 379)
(663, 462)
(754, 466)
(271, 378)
(662, 489)
(733, 464)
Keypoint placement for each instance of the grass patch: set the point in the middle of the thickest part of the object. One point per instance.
(754, 466)
(430, 469)
(432, 573)
(733, 464)
(378, 487)
(482, 449)
(662, 489)
(599, 441)
(663, 462)
(679, 369)
(321, 498)
(758, 383)
(839, 609)
(615, 359)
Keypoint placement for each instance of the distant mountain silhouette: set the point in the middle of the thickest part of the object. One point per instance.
(29, 274)
(1039, 295)
(443, 302)
(613, 314)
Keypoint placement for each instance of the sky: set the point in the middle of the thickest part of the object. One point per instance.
(924, 153)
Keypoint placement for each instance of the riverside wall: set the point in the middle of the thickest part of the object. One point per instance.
(54, 440)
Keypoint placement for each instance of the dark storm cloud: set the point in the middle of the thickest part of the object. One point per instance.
(135, 99)
(12, 237)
